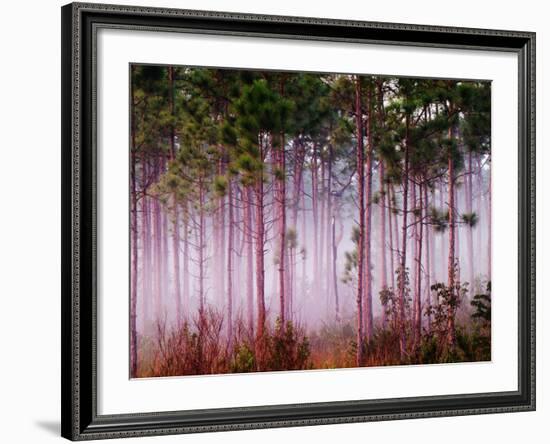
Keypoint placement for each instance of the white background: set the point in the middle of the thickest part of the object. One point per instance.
(30, 221)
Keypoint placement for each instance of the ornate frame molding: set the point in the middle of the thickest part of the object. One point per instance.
(79, 409)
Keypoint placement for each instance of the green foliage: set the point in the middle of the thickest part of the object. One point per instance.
(220, 185)
(377, 197)
(279, 174)
(244, 360)
(291, 238)
(288, 348)
(482, 305)
(439, 219)
(350, 266)
(434, 346)
(390, 305)
(470, 219)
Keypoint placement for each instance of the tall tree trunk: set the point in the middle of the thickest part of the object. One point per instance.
(418, 271)
(157, 253)
(249, 264)
(186, 272)
(282, 228)
(288, 283)
(304, 242)
(202, 247)
(221, 228)
(330, 246)
(260, 238)
(451, 262)
(361, 241)
(334, 267)
(238, 243)
(322, 232)
(413, 246)
(383, 263)
(368, 224)
(176, 262)
(383, 199)
(469, 233)
(165, 280)
(297, 188)
(403, 252)
(394, 240)
(390, 229)
(230, 247)
(176, 228)
(216, 239)
(458, 276)
(485, 198)
(429, 257)
(315, 215)
(134, 248)
(171, 104)
(146, 250)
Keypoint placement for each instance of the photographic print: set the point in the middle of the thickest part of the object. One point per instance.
(300, 221)
(276, 221)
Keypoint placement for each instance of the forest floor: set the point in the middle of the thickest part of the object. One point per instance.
(204, 347)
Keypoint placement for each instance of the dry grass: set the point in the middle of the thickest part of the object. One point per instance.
(202, 345)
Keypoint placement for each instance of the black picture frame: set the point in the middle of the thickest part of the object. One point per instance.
(80, 420)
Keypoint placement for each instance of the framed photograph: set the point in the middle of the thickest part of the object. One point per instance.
(281, 221)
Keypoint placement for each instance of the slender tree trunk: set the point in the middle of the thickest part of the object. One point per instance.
(458, 275)
(298, 195)
(418, 278)
(485, 197)
(315, 210)
(134, 248)
(444, 246)
(329, 229)
(334, 267)
(176, 228)
(470, 234)
(361, 242)
(157, 251)
(201, 247)
(390, 240)
(176, 263)
(322, 291)
(221, 228)
(146, 253)
(260, 238)
(383, 199)
(249, 258)
(383, 263)
(451, 262)
(396, 253)
(230, 247)
(403, 258)
(165, 280)
(288, 283)
(368, 225)
(171, 103)
(429, 257)
(282, 229)
(289, 289)
(304, 242)
(238, 244)
(216, 238)
(413, 246)
(186, 273)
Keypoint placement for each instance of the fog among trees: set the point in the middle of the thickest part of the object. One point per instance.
(283, 221)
